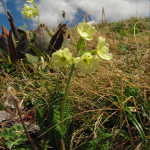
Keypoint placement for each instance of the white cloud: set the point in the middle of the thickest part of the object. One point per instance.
(50, 10)
(19, 4)
(2, 9)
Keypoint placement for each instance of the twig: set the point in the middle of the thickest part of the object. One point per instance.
(6, 8)
(28, 136)
(12, 100)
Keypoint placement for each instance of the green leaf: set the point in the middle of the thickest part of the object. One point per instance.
(13, 136)
(80, 44)
(10, 143)
(36, 50)
(136, 31)
(39, 119)
(123, 133)
(68, 135)
(6, 137)
(20, 128)
(101, 143)
(124, 48)
(32, 59)
(145, 43)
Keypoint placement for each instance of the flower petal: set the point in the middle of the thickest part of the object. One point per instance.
(91, 31)
(66, 53)
(89, 38)
(80, 26)
(86, 30)
(62, 58)
(95, 61)
(86, 70)
(86, 61)
(103, 53)
(86, 26)
(101, 42)
(58, 64)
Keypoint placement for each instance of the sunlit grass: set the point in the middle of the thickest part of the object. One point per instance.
(97, 100)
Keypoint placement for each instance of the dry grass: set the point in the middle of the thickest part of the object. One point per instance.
(90, 95)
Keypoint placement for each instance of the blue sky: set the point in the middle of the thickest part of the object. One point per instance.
(50, 11)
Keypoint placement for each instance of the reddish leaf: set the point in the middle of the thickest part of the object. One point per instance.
(23, 45)
(30, 117)
(13, 26)
(12, 49)
(4, 40)
(51, 48)
(4, 31)
(59, 41)
(21, 31)
(42, 38)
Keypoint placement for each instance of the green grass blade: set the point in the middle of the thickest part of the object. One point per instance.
(36, 50)
(138, 126)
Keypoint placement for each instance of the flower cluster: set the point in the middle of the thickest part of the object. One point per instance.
(87, 60)
(30, 12)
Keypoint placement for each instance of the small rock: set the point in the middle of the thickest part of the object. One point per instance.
(4, 116)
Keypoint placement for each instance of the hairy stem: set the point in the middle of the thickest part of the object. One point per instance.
(64, 100)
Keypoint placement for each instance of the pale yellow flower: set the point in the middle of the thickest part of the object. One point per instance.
(35, 12)
(30, 1)
(26, 7)
(86, 30)
(62, 58)
(29, 12)
(86, 62)
(102, 49)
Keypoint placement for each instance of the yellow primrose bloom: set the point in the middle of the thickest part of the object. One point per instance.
(102, 49)
(30, 1)
(26, 7)
(62, 58)
(86, 62)
(86, 30)
(35, 12)
(29, 12)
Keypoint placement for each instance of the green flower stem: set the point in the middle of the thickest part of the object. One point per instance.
(35, 6)
(79, 47)
(65, 98)
(80, 44)
(94, 52)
